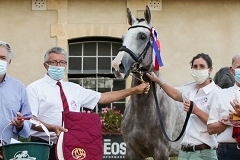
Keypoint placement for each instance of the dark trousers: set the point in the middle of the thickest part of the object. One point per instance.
(228, 153)
(52, 150)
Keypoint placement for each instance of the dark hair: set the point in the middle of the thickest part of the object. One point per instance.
(223, 78)
(203, 56)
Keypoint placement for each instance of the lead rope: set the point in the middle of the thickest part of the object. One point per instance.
(160, 117)
(140, 79)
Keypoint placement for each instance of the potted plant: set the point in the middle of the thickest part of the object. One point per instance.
(114, 146)
(111, 121)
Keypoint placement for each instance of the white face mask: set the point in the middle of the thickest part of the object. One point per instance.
(3, 67)
(200, 75)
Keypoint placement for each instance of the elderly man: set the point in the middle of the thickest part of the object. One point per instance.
(46, 103)
(13, 100)
(219, 123)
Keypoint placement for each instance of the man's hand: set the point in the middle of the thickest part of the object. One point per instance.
(142, 88)
(51, 128)
(18, 122)
(236, 106)
(58, 129)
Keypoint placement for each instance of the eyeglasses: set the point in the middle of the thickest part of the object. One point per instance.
(55, 63)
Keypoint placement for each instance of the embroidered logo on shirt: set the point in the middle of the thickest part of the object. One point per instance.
(73, 105)
(203, 101)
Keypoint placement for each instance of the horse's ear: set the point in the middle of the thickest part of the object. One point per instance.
(131, 18)
(147, 14)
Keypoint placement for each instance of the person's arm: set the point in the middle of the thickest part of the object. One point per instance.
(216, 128)
(171, 91)
(203, 116)
(213, 124)
(34, 103)
(22, 127)
(109, 97)
(51, 128)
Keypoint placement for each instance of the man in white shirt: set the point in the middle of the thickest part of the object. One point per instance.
(228, 147)
(46, 103)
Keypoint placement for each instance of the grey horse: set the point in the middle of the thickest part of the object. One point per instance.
(140, 126)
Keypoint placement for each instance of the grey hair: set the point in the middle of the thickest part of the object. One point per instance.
(57, 50)
(9, 49)
(235, 57)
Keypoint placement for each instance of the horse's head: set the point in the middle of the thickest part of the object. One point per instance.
(135, 53)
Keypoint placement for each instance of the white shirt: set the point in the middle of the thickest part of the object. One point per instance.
(46, 104)
(222, 110)
(196, 131)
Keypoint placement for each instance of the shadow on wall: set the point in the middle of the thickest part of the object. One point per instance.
(223, 78)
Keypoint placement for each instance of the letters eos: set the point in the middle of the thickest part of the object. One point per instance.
(114, 148)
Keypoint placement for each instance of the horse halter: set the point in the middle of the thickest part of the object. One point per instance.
(138, 59)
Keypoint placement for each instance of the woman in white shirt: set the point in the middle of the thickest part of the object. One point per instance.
(197, 143)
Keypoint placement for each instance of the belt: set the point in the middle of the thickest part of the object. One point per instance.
(195, 148)
(229, 145)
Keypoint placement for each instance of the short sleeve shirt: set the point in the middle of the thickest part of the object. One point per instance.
(196, 131)
(222, 110)
(46, 104)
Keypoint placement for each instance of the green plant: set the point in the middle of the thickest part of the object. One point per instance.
(24, 139)
(111, 121)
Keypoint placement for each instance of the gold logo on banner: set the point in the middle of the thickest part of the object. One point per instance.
(79, 153)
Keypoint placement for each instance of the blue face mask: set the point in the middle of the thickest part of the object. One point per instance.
(56, 72)
(237, 74)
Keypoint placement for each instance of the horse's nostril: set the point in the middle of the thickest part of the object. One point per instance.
(121, 67)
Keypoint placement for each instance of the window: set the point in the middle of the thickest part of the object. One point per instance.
(90, 66)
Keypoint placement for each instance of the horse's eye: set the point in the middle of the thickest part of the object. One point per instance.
(143, 36)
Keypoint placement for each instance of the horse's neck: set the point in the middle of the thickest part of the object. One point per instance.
(142, 99)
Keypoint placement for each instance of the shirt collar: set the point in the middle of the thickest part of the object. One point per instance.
(6, 78)
(209, 87)
(50, 80)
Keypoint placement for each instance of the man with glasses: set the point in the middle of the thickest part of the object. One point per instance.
(47, 105)
(13, 101)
